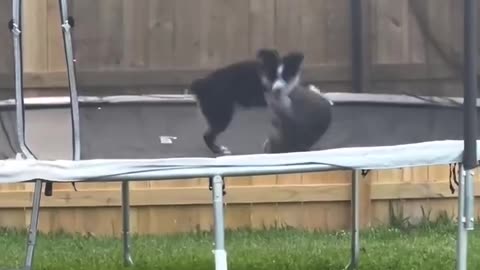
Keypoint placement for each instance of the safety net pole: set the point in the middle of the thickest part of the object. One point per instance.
(67, 24)
(16, 29)
(357, 83)
(466, 192)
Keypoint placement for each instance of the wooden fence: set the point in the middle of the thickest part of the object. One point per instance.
(411, 45)
(167, 35)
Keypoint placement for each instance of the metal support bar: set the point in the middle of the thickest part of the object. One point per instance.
(32, 232)
(355, 244)
(462, 232)
(465, 190)
(127, 257)
(72, 81)
(16, 29)
(355, 221)
(219, 251)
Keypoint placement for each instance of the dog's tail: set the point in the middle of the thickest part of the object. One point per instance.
(196, 87)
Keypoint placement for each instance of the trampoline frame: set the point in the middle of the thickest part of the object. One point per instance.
(465, 197)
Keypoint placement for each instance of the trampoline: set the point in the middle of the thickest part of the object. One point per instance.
(108, 108)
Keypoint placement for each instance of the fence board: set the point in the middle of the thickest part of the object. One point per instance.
(314, 29)
(91, 29)
(287, 25)
(6, 54)
(338, 32)
(392, 32)
(416, 39)
(161, 43)
(235, 194)
(35, 19)
(189, 32)
(324, 207)
(264, 180)
(262, 25)
(56, 61)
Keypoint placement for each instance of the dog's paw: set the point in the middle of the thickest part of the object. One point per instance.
(224, 150)
(220, 150)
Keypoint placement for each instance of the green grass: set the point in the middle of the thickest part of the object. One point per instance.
(425, 246)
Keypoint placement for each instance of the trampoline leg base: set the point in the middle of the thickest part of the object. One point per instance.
(219, 227)
(127, 257)
(220, 259)
(32, 232)
(127, 260)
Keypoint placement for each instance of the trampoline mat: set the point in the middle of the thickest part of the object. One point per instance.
(138, 131)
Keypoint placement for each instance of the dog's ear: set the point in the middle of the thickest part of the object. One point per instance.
(292, 63)
(268, 59)
(267, 54)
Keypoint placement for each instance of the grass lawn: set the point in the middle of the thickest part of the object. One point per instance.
(424, 247)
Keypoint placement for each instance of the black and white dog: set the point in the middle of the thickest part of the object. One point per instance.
(267, 81)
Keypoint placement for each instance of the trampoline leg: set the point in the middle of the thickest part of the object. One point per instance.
(469, 200)
(219, 251)
(32, 232)
(127, 257)
(355, 247)
(465, 217)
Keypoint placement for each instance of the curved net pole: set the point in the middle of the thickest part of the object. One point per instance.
(359, 81)
(67, 23)
(16, 29)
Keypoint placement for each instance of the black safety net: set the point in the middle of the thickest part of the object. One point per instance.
(8, 135)
(410, 48)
